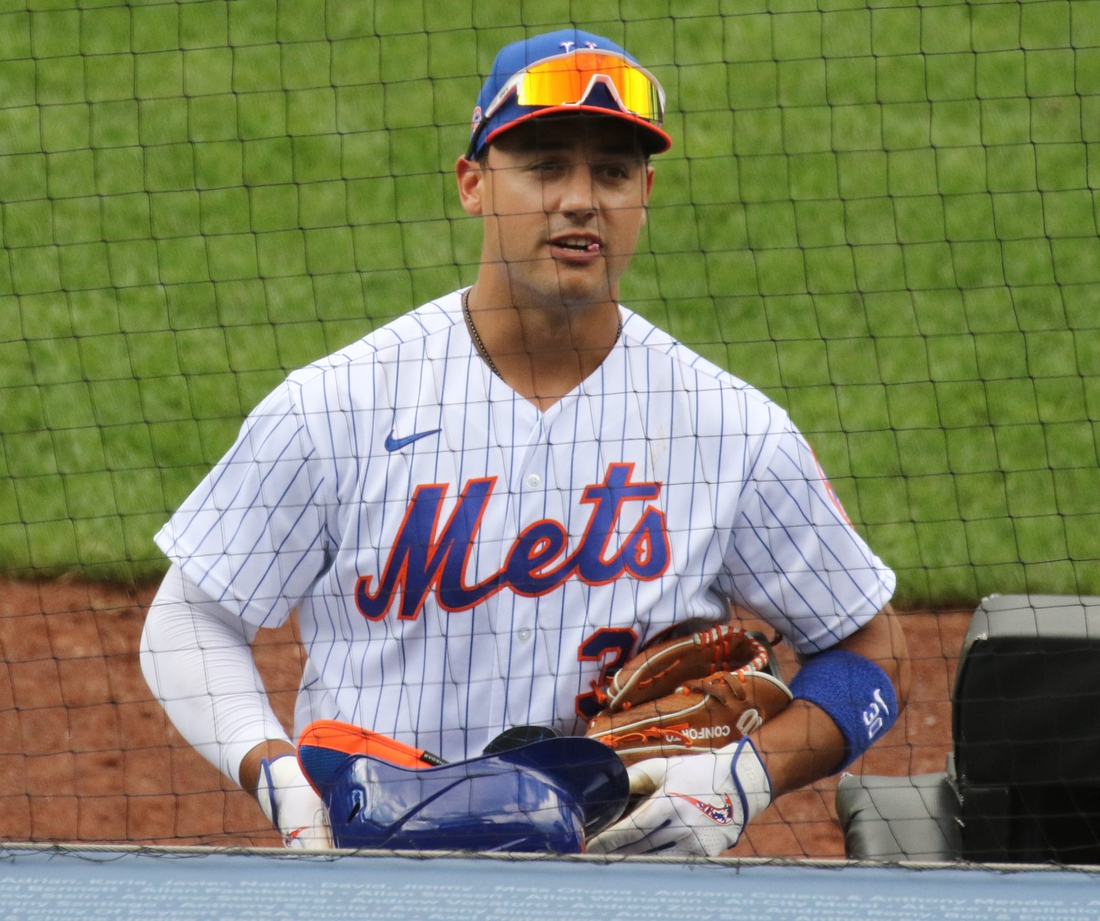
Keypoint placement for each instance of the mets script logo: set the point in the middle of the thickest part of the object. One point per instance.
(719, 815)
(426, 558)
(874, 717)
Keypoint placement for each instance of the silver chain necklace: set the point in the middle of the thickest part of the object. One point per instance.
(484, 352)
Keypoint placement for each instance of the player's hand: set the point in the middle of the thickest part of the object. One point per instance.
(695, 804)
(291, 804)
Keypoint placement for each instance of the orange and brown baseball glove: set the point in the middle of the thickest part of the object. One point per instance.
(690, 694)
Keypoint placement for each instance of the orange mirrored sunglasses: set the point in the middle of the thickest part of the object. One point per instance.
(568, 80)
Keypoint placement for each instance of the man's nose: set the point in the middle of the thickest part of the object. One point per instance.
(578, 194)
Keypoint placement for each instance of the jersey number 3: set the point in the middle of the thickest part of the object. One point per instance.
(612, 648)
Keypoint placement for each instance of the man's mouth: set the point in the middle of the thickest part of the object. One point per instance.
(578, 244)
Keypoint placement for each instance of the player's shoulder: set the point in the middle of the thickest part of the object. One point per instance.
(638, 332)
(690, 371)
(404, 337)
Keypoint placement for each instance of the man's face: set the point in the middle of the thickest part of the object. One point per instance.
(563, 200)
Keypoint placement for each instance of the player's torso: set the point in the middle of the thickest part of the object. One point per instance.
(499, 557)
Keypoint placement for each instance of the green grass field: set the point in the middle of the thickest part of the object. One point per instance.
(882, 214)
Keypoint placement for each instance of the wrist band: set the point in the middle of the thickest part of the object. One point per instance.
(265, 784)
(854, 691)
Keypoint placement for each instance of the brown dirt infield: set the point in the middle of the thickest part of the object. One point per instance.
(87, 756)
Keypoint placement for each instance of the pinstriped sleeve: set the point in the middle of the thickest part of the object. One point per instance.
(252, 534)
(795, 557)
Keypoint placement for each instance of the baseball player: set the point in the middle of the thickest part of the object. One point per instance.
(483, 508)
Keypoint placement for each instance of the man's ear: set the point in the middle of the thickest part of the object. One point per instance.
(649, 174)
(470, 176)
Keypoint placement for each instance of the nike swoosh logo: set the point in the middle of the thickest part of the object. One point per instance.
(396, 444)
(720, 816)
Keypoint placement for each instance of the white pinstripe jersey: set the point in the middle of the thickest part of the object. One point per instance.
(463, 561)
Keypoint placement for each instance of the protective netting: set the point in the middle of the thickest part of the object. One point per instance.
(882, 214)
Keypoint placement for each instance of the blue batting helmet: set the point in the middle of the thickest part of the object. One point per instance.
(538, 798)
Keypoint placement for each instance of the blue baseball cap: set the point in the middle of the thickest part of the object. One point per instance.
(563, 72)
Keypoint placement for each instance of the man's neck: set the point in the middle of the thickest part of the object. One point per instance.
(543, 352)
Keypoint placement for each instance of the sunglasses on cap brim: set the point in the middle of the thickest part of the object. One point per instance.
(568, 80)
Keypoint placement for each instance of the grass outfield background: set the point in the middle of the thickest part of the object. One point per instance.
(880, 213)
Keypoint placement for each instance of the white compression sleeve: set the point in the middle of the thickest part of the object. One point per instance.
(196, 659)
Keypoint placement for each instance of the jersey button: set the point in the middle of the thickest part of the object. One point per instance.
(534, 481)
(523, 634)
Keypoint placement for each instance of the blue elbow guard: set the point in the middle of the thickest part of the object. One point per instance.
(854, 691)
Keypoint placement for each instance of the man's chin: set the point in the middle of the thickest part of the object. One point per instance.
(563, 286)
(580, 289)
